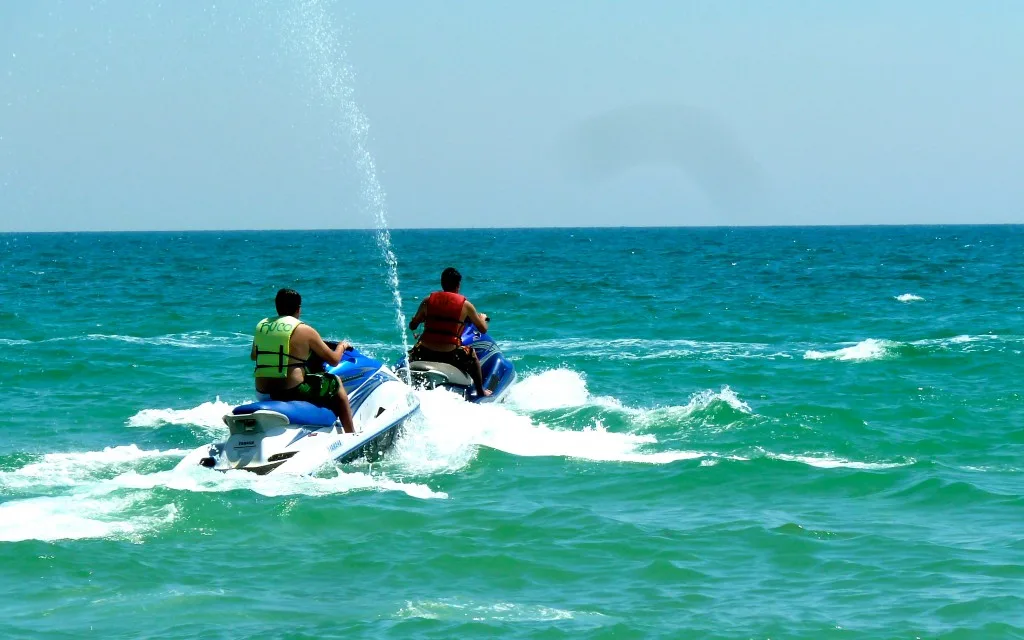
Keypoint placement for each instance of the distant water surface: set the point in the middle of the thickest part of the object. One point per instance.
(718, 433)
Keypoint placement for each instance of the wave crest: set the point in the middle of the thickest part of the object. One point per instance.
(450, 431)
(108, 493)
(830, 462)
(555, 389)
(865, 350)
(456, 609)
(208, 415)
(70, 469)
(76, 518)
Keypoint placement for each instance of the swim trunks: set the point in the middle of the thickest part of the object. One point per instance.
(317, 388)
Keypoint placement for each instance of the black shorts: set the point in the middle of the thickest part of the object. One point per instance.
(317, 388)
(460, 357)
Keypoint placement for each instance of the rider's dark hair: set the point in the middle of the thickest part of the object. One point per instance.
(450, 279)
(287, 302)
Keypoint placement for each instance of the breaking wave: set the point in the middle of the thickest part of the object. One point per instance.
(870, 349)
(209, 416)
(876, 349)
(450, 432)
(555, 389)
(75, 517)
(649, 349)
(829, 462)
(110, 493)
(187, 340)
(469, 610)
(70, 469)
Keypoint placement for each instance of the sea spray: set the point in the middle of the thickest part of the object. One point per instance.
(314, 32)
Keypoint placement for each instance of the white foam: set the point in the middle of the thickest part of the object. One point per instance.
(108, 497)
(700, 401)
(188, 340)
(827, 462)
(991, 468)
(191, 477)
(448, 434)
(456, 609)
(75, 517)
(909, 297)
(209, 415)
(554, 389)
(648, 349)
(119, 507)
(100, 473)
(706, 398)
(970, 343)
(726, 355)
(946, 342)
(870, 349)
(70, 469)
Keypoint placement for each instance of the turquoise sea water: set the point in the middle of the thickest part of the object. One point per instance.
(717, 433)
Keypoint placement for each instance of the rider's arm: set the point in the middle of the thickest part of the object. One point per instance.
(419, 317)
(252, 354)
(478, 319)
(320, 348)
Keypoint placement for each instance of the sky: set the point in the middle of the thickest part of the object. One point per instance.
(164, 115)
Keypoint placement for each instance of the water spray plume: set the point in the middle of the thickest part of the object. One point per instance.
(319, 39)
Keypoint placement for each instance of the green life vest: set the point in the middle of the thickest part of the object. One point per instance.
(272, 339)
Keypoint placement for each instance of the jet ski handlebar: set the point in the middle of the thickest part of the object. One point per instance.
(333, 344)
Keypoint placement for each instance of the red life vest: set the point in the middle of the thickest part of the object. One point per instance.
(444, 317)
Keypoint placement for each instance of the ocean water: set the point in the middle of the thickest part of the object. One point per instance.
(717, 433)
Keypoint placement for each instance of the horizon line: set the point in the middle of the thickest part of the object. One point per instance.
(608, 227)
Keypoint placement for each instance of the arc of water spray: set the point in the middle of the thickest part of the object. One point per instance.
(316, 33)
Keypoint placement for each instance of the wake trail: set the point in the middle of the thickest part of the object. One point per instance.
(123, 492)
(113, 494)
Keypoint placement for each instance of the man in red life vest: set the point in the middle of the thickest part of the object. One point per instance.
(445, 312)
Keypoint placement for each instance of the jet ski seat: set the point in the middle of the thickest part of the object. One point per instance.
(297, 412)
(434, 370)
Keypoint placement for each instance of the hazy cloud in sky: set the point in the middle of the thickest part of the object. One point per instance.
(197, 115)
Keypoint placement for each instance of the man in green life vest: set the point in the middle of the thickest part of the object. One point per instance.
(281, 348)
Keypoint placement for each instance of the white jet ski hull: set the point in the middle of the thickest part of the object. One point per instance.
(265, 440)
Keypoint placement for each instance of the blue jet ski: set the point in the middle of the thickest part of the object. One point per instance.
(498, 371)
(299, 437)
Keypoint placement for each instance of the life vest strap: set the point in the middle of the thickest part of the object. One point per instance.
(272, 343)
(440, 332)
(281, 364)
